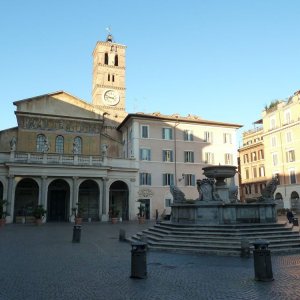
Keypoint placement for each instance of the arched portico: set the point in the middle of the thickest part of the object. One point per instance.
(89, 198)
(26, 197)
(58, 201)
(118, 199)
(295, 201)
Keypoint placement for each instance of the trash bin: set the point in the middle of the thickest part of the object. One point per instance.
(295, 222)
(76, 233)
(262, 261)
(138, 260)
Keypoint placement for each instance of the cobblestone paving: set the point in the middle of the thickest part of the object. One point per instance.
(43, 263)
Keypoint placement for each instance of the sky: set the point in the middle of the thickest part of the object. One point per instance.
(221, 60)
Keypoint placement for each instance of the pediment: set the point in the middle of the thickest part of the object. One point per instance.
(58, 104)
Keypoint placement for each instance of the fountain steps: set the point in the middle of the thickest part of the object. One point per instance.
(219, 239)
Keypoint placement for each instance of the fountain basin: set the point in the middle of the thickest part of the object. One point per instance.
(218, 213)
(220, 173)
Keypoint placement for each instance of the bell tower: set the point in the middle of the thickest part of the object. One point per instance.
(108, 90)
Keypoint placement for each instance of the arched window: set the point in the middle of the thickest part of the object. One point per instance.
(113, 78)
(108, 77)
(77, 145)
(116, 60)
(106, 58)
(40, 143)
(59, 144)
(278, 196)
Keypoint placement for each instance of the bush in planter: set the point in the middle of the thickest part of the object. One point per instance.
(141, 214)
(39, 213)
(78, 212)
(3, 212)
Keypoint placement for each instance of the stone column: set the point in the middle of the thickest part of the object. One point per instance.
(75, 191)
(43, 200)
(10, 199)
(104, 216)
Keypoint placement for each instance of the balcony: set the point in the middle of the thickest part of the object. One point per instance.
(67, 160)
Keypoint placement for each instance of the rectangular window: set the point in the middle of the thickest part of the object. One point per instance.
(247, 173)
(189, 179)
(272, 123)
(290, 156)
(145, 131)
(209, 158)
(254, 171)
(228, 159)
(167, 134)
(255, 188)
(167, 155)
(289, 137)
(130, 134)
(246, 158)
(189, 156)
(168, 202)
(168, 179)
(208, 137)
(261, 171)
(188, 135)
(261, 154)
(227, 138)
(145, 154)
(292, 176)
(287, 117)
(273, 141)
(253, 156)
(275, 159)
(145, 179)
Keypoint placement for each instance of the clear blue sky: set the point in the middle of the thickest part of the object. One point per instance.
(222, 60)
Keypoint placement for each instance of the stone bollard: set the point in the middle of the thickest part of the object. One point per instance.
(245, 248)
(76, 233)
(122, 235)
(262, 261)
(138, 260)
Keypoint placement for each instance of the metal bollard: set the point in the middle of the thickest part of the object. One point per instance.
(138, 260)
(262, 261)
(76, 233)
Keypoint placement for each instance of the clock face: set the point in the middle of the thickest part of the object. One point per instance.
(111, 98)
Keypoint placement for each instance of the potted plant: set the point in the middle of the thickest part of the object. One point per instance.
(3, 212)
(141, 214)
(39, 213)
(114, 215)
(78, 212)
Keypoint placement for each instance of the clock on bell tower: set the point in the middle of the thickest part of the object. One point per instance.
(108, 91)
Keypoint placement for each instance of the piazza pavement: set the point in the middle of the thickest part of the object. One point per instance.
(41, 262)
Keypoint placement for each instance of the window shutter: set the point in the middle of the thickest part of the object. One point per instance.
(171, 179)
(171, 155)
(164, 179)
(193, 180)
(163, 133)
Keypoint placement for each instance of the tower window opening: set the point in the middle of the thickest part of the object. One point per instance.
(113, 78)
(108, 77)
(116, 60)
(106, 58)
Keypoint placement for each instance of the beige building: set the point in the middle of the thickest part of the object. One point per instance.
(280, 142)
(172, 150)
(252, 163)
(65, 150)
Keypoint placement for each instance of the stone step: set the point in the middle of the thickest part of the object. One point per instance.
(219, 239)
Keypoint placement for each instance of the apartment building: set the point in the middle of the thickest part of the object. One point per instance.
(172, 150)
(252, 163)
(279, 140)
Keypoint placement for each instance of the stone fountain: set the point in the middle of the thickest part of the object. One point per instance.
(218, 202)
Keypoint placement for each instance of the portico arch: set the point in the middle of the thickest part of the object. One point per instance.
(26, 197)
(118, 199)
(58, 201)
(89, 198)
(295, 201)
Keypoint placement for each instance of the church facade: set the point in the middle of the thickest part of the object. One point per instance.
(66, 151)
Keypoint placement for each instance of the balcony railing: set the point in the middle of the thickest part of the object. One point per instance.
(65, 159)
